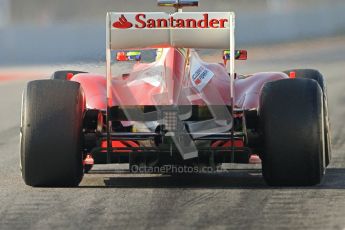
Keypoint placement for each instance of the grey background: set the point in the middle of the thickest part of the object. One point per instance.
(65, 31)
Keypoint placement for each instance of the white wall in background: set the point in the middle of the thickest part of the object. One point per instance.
(5, 12)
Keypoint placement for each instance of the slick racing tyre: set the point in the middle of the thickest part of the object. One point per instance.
(317, 76)
(292, 129)
(51, 129)
(62, 74)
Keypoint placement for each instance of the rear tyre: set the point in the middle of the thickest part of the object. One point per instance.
(317, 76)
(51, 129)
(291, 121)
(62, 74)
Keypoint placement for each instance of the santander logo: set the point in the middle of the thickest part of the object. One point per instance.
(122, 23)
(142, 22)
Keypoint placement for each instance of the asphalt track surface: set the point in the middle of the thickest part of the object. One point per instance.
(110, 198)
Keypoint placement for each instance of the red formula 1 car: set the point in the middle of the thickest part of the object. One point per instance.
(176, 110)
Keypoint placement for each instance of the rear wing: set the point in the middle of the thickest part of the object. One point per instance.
(180, 30)
(158, 30)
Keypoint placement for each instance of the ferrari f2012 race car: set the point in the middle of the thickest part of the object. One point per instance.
(176, 110)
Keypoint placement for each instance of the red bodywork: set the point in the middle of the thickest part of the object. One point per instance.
(137, 88)
(171, 81)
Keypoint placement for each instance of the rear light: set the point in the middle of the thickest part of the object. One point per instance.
(170, 120)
